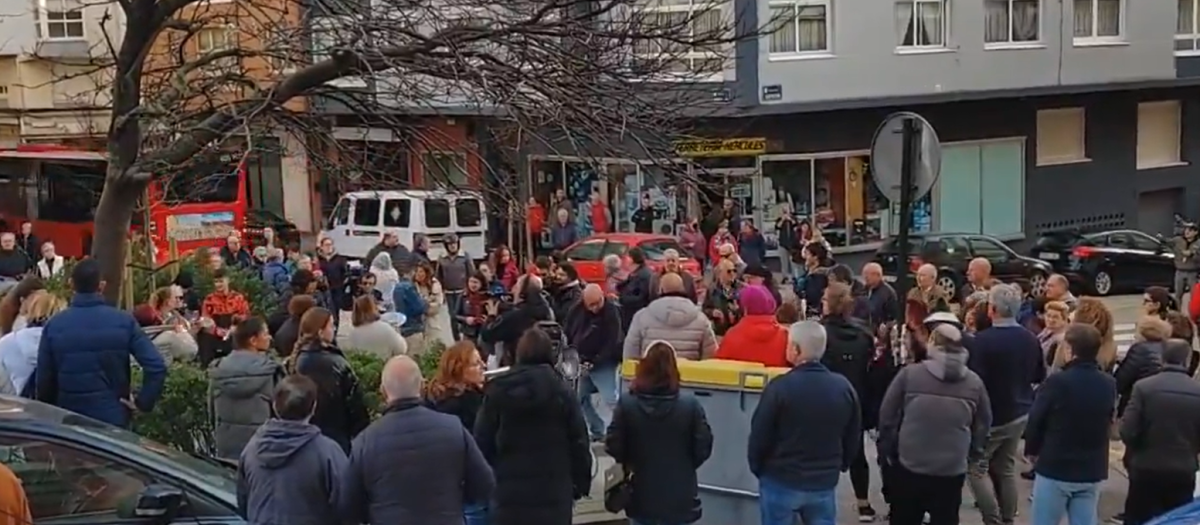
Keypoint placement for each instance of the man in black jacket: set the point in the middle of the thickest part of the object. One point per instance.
(851, 346)
(1161, 431)
(413, 464)
(635, 293)
(593, 327)
(882, 303)
(13, 261)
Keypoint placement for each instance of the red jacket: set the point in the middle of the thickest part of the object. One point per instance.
(537, 218)
(755, 339)
(1194, 304)
(716, 242)
(599, 217)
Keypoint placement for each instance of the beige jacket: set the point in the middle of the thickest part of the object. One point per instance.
(676, 320)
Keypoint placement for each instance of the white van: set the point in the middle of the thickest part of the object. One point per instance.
(360, 218)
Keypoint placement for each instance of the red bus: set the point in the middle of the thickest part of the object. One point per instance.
(58, 188)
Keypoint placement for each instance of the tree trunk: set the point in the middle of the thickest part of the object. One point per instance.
(111, 238)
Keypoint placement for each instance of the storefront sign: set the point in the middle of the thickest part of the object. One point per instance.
(720, 147)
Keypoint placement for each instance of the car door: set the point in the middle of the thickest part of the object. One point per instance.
(68, 483)
(586, 256)
(1155, 260)
(1005, 263)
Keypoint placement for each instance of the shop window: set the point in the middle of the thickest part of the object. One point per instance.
(1061, 136)
(626, 178)
(971, 171)
(834, 194)
(1158, 134)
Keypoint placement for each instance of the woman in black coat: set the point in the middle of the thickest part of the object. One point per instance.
(660, 438)
(542, 459)
(341, 409)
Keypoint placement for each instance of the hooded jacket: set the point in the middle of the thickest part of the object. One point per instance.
(413, 465)
(290, 473)
(240, 390)
(341, 410)
(665, 487)
(755, 339)
(531, 431)
(676, 320)
(935, 416)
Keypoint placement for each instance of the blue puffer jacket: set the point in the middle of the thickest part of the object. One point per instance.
(83, 361)
(277, 277)
(409, 302)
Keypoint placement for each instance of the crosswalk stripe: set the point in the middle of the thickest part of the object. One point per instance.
(1124, 335)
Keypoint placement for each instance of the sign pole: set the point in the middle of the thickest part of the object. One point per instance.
(908, 160)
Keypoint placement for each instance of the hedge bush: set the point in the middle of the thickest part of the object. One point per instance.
(181, 418)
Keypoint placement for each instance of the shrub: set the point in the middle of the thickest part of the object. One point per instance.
(181, 418)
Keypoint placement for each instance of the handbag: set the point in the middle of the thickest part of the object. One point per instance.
(618, 495)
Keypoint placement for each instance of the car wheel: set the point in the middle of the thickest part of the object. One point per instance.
(1102, 283)
(948, 284)
(1037, 284)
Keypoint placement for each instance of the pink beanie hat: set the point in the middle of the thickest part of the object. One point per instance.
(756, 300)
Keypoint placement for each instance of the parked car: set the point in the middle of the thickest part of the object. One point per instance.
(79, 470)
(952, 252)
(258, 220)
(1106, 262)
(588, 255)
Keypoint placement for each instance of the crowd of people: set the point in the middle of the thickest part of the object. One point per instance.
(946, 388)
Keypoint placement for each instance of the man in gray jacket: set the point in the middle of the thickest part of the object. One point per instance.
(934, 418)
(453, 271)
(672, 317)
(1161, 431)
(1186, 249)
(290, 472)
(412, 465)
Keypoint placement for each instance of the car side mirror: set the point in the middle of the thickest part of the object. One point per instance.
(158, 504)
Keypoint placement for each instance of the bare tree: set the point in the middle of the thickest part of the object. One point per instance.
(615, 78)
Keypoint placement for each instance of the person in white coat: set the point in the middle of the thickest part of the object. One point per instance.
(51, 263)
(386, 278)
(19, 349)
(437, 314)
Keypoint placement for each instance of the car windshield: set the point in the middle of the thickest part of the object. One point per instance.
(654, 249)
(210, 470)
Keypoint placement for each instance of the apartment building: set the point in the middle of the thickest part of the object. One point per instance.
(49, 90)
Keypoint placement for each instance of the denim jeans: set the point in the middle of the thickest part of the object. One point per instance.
(475, 514)
(1053, 499)
(780, 505)
(599, 380)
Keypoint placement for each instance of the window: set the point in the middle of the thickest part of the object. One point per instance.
(214, 39)
(588, 251)
(690, 26)
(1060, 136)
(803, 27)
(398, 213)
(71, 484)
(69, 191)
(211, 177)
(340, 215)
(988, 249)
(445, 170)
(1158, 134)
(1187, 27)
(921, 23)
(468, 212)
(437, 213)
(984, 188)
(1011, 21)
(366, 212)
(59, 20)
(1098, 20)
(834, 194)
(1141, 241)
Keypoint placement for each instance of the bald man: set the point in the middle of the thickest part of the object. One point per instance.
(927, 290)
(979, 277)
(1058, 288)
(444, 468)
(882, 304)
(673, 318)
(672, 264)
(593, 325)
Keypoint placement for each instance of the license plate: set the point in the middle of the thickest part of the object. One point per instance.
(889, 278)
(1048, 256)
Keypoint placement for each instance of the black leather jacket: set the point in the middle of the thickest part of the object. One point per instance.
(1143, 360)
(341, 411)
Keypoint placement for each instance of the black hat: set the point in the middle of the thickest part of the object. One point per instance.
(759, 270)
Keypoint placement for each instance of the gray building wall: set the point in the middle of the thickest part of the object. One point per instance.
(864, 61)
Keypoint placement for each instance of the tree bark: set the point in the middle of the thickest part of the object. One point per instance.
(111, 232)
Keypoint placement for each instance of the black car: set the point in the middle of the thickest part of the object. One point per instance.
(1106, 262)
(79, 470)
(258, 220)
(952, 252)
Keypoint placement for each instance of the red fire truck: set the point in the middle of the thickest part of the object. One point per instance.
(58, 188)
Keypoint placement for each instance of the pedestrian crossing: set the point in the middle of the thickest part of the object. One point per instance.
(1123, 334)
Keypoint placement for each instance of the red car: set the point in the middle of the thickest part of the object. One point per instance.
(588, 255)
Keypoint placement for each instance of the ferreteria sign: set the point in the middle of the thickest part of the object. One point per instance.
(736, 147)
